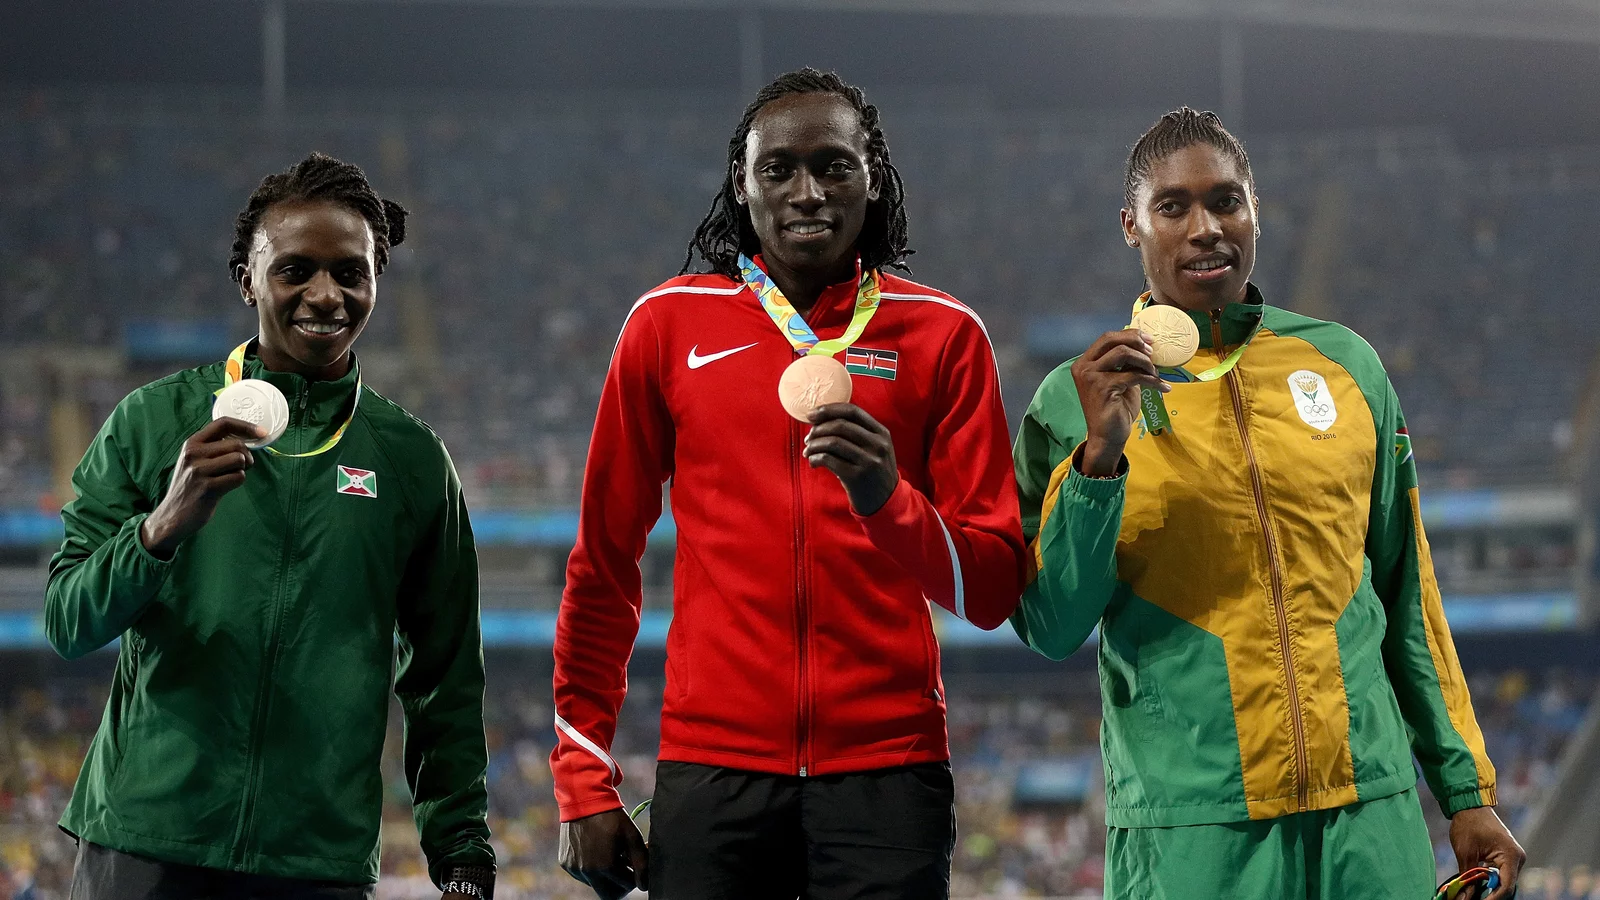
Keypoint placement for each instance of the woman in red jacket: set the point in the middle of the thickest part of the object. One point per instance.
(803, 744)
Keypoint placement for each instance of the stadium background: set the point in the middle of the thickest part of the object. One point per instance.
(1429, 173)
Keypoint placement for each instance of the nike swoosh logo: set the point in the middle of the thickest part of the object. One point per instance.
(696, 360)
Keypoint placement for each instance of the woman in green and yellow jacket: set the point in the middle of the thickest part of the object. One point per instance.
(269, 600)
(1272, 645)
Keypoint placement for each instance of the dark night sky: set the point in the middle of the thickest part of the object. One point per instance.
(1486, 91)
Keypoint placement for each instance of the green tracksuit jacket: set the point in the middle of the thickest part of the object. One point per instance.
(1272, 639)
(248, 711)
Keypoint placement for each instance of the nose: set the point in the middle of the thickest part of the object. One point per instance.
(806, 193)
(323, 294)
(1205, 228)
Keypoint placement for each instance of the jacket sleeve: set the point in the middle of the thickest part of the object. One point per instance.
(102, 578)
(630, 458)
(962, 541)
(1418, 652)
(1072, 522)
(440, 686)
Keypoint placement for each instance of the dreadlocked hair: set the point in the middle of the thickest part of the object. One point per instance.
(1174, 131)
(726, 232)
(319, 177)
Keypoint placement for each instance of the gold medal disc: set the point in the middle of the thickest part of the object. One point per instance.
(1171, 331)
(810, 382)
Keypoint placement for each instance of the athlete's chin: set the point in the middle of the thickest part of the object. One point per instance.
(1204, 296)
(809, 255)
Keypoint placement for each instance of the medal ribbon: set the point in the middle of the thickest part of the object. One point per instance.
(794, 326)
(234, 372)
(1151, 404)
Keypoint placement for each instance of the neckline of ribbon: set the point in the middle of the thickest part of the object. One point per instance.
(794, 326)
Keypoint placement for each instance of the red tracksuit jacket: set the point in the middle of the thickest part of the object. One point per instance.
(801, 638)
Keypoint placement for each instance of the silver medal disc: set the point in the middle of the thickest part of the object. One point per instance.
(257, 402)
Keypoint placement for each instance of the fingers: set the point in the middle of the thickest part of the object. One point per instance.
(1123, 337)
(226, 427)
(1127, 359)
(638, 856)
(231, 459)
(841, 449)
(848, 412)
(1509, 861)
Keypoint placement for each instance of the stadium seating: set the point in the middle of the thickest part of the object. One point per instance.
(533, 232)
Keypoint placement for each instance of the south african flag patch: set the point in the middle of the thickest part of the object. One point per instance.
(1402, 446)
(873, 363)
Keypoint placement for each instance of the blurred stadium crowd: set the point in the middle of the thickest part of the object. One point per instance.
(535, 230)
(1029, 801)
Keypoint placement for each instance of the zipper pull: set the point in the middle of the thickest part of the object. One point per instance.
(1216, 331)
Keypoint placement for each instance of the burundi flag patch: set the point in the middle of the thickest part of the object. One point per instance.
(875, 363)
(1402, 446)
(357, 482)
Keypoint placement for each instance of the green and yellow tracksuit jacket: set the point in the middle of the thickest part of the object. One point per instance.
(1271, 634)
(248, 711)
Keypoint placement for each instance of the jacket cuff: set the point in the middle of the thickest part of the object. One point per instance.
(898, 511)
(1467, 798)
(148, 564)
(584, 808)
(1097, 490)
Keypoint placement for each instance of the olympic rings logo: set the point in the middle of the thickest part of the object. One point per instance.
(1316, 409)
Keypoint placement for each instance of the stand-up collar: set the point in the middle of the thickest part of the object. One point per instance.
(325, 401)
(1238, 319)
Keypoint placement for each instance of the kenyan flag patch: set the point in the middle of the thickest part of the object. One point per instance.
(357, 482)
(875, 363)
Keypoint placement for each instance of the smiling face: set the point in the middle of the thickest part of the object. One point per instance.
(807, 179)
(1194, 224)
(311, 277)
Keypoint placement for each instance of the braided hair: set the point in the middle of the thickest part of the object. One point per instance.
(319, 177)
(726, 232)
(1174, 131)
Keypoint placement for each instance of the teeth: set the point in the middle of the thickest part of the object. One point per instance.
(808, 229)
(1207, 266)
(321, 328)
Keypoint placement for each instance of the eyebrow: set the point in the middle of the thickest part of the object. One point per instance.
(825, 149)
(304, 258)
(1174, 191)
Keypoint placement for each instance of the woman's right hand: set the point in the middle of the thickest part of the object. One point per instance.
(1109, 375)
(211, 463)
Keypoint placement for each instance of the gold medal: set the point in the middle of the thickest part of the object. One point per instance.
(1172, 332)
(812, 381)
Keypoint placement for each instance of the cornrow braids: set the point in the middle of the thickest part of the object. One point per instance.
(1174, 131)
(319, 177)
(726, 232)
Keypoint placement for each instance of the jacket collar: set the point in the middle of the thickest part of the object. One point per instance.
(324, 400)
(1237, 319)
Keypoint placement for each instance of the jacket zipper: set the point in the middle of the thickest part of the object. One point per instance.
(803, 718)
(246, 830)
(1274, 572)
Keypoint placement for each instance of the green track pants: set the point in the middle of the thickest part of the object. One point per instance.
(1375, 850)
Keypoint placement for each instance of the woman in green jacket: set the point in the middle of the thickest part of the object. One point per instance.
(268, 600)
(1246, 535)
